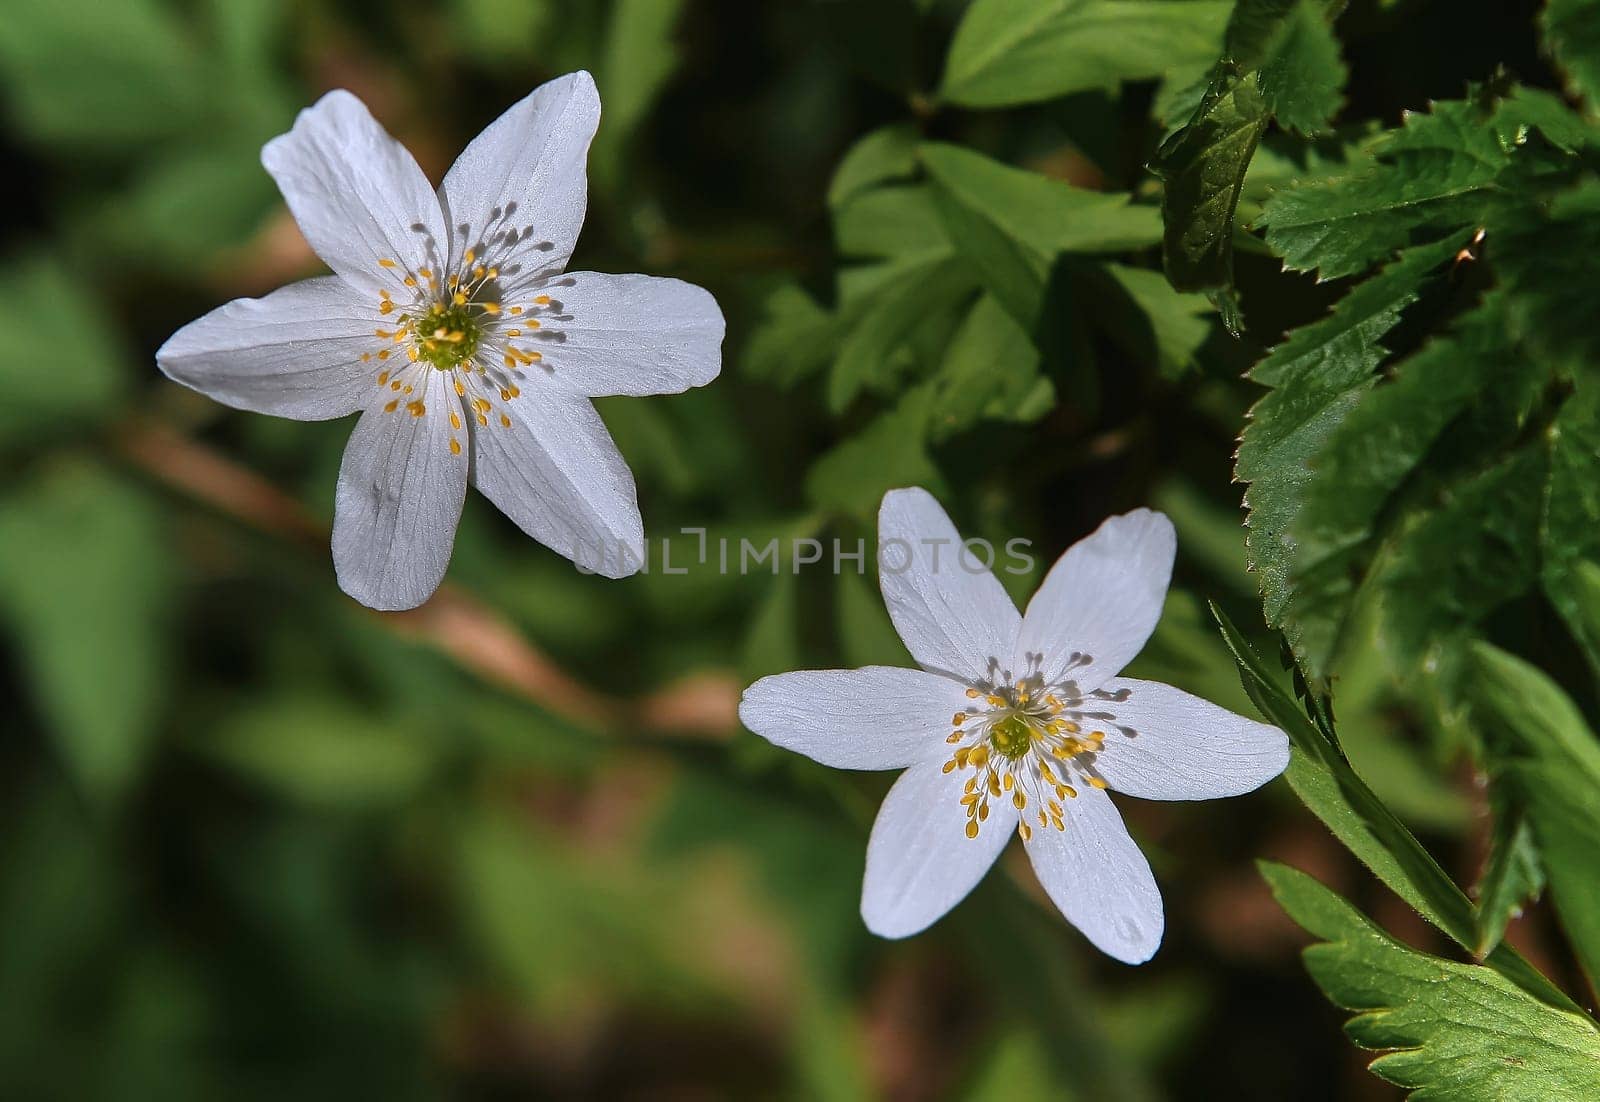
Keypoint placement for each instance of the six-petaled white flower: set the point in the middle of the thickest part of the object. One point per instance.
(450, 325)
(1017, 723)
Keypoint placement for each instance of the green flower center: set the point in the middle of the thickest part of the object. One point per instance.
(447, 335)
(1011, 737)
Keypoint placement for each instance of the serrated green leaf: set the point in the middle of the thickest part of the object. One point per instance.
(1572, 34)
(1008, 52)
(1203, 168)
(1318, 375)
(1512, 876)
(1012, 224)
(1541, 747)
(1448, 1031)
(1435, 175)
(1322, 777)
(85, 583)
(1291, 44)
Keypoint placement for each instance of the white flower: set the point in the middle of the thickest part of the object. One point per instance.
(1017, 723)
(449, 324)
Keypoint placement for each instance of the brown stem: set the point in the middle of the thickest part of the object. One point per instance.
(453, 621)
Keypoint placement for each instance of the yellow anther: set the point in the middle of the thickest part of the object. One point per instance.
(1025, 830)
(410, 281)
(1009, 781)
(461, 391)
(958, 719)
(455, 419)
(384, 354)
(505, 421)
(954, 736)
(994, 785)
(1019, 800)
(385, 262)
(392, 406)
(513, 332)
(395, 385)
(470, 256)
(455, 445)
(383, 377)
(532, 323)
(983, 812)
(972, 694)
(459, 299)
(490, 307)
(972, 829)
(1072, 793)
(482, 420)
(516, 309)
(543, 300)
(416, 408)
(366, 357)
(950, 766)
(385, 306)
(425, 273)
(996, 701)
(1096, 782)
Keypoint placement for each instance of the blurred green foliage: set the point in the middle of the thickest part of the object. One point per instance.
(256, 840)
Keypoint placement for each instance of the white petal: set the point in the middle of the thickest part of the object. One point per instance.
(399, 499)
(526, 173)
(1168, 745)
(879, 717)
(1096, 876)
(357, 193)
(920, 862)
(557, 474)
(1101, 599)
(949, 610)
(295, 353)
(630, 334)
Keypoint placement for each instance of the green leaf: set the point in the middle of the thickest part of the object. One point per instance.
(1447, 1030)
(989, 373)
(85, 583)
(853, 475)
(1170, 326)
(1012, 224)
(1318, 375)
(322, 752)
(1438, 173)
(866, 634)
(1572, 33)
(638, 58)
(1512, 876)
(890, 318)
(1322, 777)
(772, 644)
(1541, 747)
(884, 155)
(795, 338)
(1203, 167)
(1008, 52)
(88, 75)
(1291, 44)
(899, 222)
(86, 378)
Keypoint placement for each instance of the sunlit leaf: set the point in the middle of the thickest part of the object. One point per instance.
(1447, 1030)
(1018, 51)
